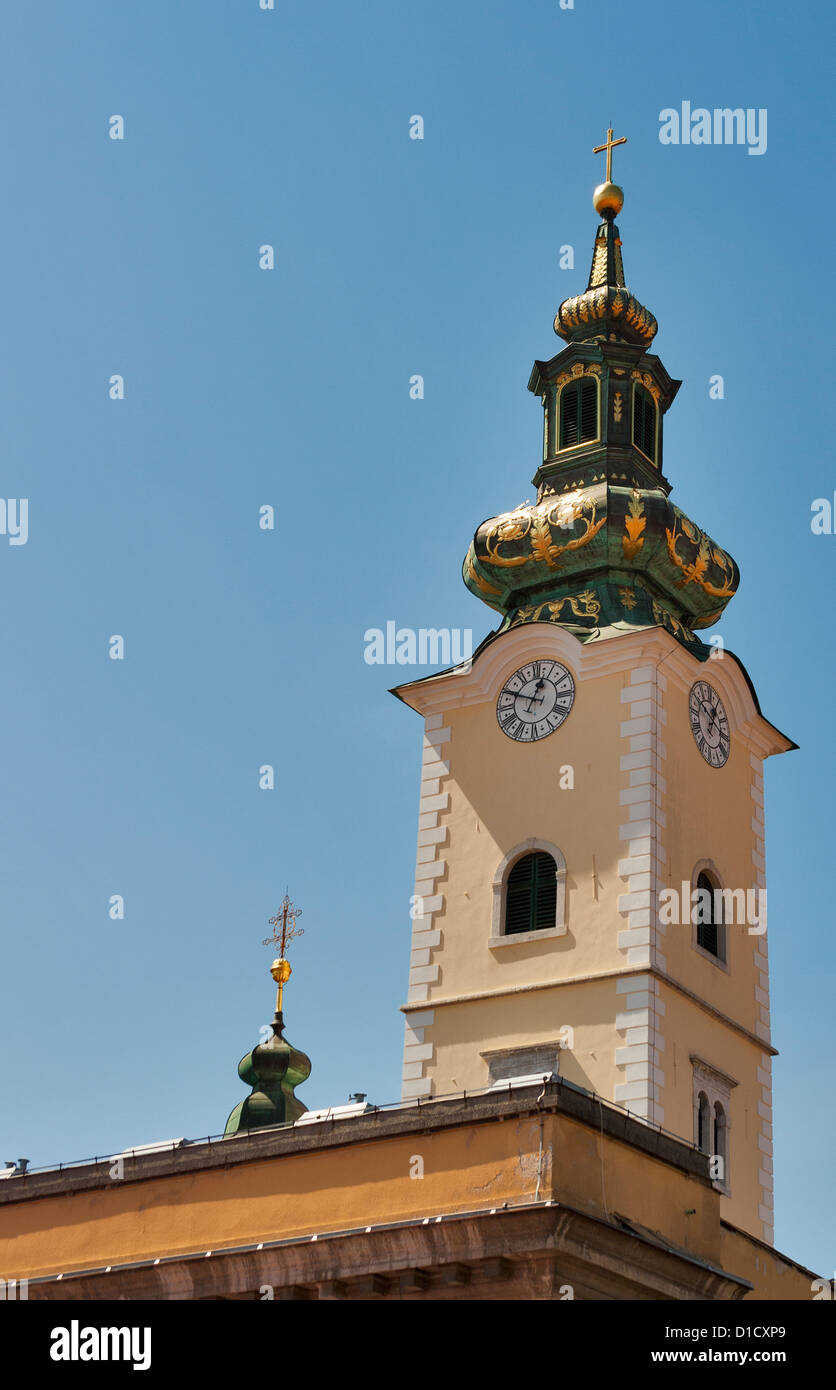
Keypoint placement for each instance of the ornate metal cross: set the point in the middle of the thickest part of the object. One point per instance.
(609, 147)
(285, 918)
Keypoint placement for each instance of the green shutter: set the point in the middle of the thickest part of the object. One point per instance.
(531, 894)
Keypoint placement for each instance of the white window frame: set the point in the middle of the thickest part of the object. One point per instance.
(499, 889)
(707, 866)
(717, 1088)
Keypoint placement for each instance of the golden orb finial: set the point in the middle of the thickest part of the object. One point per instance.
(608, 199)
(281, 972)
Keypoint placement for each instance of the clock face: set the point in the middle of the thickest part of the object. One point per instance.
(535, 701)
(709, 724)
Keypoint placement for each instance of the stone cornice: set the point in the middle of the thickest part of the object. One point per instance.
(525, 1249)
(651, 969)
(412, 1118)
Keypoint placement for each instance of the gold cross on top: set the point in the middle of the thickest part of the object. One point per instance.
(286, 919)
(609, 147)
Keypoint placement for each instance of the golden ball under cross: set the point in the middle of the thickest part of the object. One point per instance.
(608, 199)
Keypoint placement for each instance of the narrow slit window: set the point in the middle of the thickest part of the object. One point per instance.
(720, 1139)
(703, 1123)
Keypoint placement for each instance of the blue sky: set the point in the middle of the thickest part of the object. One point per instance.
(245, 387)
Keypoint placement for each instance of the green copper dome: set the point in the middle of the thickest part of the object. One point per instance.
(273, 1070)
(598, 556)
(602, 549)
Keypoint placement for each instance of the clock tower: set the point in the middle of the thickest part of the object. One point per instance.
(590, 892)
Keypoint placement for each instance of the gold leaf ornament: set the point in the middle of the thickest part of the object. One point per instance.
(634, 524)
(583, 605)
(694, 572)
(673, 624)
(536, 524)
(482, 584)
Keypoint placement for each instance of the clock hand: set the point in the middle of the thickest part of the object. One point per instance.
(711, 714)
(535, 696)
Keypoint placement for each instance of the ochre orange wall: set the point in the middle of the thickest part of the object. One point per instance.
(773, 1277)
(465, 1168)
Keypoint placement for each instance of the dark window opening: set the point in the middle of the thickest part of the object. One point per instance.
(703, 1124)
(531, 894)
(578, 413)
(709, 918)
(720, 1139)
(644, 423)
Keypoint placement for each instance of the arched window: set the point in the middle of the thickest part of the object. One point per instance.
(644, 422)
(531, 894)
(712, 1108)
(703, 1123)
(719, 1147)
(578, 412)
(709, 908)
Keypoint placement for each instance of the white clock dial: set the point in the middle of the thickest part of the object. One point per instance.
(709, 723)
(535, 701)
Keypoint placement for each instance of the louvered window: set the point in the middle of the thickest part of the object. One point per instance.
(579, 413)
(708, 924)
(644, 423)
(531, 894)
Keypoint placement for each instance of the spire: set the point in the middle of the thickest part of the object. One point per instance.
(602, 550)
(275, 1068)
(606, 309)
(608, 200)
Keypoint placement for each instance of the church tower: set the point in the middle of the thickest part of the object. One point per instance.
(590, 881)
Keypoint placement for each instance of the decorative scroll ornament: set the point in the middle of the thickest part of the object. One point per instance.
(709, 620)
(693, 572)
(647, 380)
(617, 407)
(482, 584)
(583, 605)
(666, 619)
(578, 370)
(535, 524)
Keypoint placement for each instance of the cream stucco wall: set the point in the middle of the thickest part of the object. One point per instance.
(644, 811)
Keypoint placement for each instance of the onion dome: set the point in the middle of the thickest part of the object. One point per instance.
(606, 309)
(273, 1069)
(601, 557)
